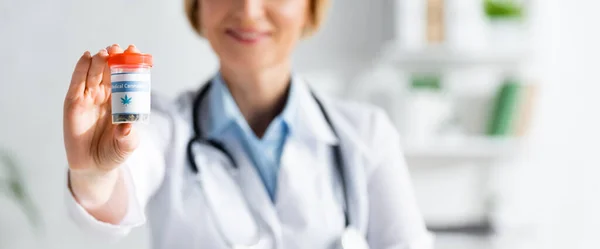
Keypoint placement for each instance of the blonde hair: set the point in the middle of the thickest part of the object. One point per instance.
(317, 8)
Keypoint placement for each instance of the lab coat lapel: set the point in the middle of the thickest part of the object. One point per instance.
(256, 194)
(300, 161)
(354, 169)
(307, 202)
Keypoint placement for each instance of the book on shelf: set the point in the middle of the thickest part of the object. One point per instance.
(526, 110)
(435, 29)
(512, 109)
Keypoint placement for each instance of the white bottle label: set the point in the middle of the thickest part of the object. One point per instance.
(130, 93)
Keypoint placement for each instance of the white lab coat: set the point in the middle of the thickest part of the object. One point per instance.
(309, 207)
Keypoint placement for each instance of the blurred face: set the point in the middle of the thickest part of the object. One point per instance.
(253, 34)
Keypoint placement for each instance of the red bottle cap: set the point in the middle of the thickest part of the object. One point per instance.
(130, 57)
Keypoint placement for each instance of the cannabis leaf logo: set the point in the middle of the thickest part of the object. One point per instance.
(125, 100)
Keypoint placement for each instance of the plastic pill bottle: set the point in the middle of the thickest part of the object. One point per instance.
(131, 84)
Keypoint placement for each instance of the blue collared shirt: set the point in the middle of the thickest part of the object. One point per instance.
(264, 152)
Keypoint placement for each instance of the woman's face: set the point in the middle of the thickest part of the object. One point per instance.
(253, 34)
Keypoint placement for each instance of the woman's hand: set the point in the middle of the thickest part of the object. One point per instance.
(95, 147)
(92, 142)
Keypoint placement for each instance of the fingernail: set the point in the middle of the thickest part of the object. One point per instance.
(111, 46)
(126, 129)
(127, 132)
(103, 52)
(86, 53)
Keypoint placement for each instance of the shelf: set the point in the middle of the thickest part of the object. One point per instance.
(482, 228)
(472, 149)
(442, 57)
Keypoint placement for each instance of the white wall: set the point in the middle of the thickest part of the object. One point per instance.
(573, 119)
(41, 41)
(560, 187)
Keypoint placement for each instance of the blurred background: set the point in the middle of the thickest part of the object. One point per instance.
(496, 101)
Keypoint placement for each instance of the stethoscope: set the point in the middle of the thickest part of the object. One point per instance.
(351, 238)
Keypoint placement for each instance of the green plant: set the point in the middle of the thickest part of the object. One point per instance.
(14, 186)
(503, 9)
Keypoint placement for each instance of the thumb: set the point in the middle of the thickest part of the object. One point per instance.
(126, 138)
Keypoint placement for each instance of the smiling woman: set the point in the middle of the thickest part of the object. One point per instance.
(254, 158)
